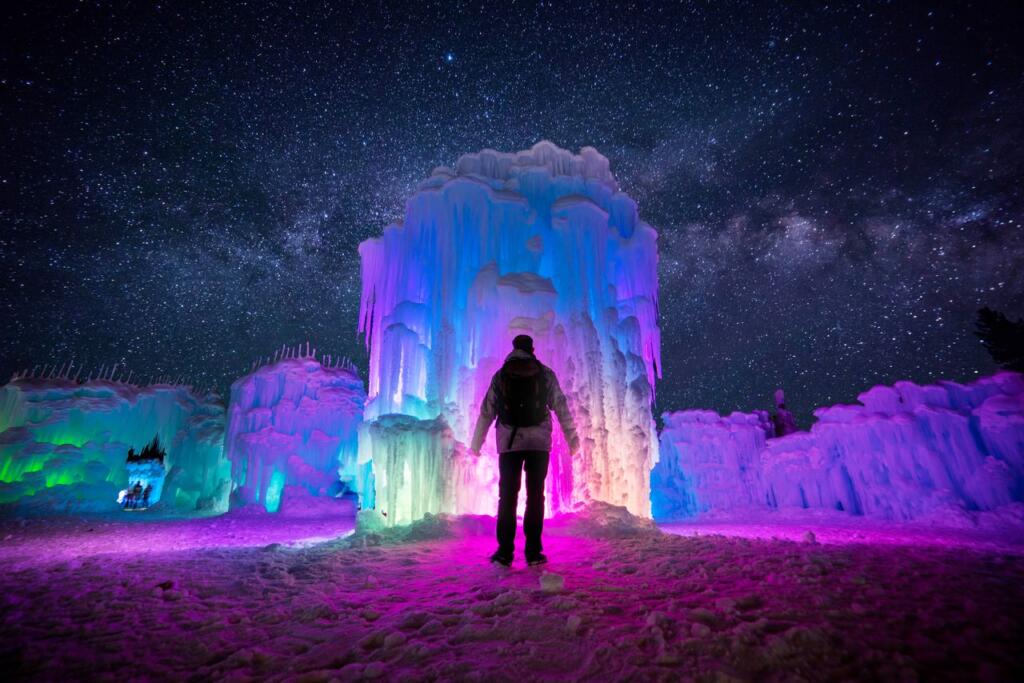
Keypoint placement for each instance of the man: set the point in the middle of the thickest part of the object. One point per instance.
(522, 395)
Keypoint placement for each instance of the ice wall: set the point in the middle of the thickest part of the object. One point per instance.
(413, 462)
(708, 462)
(540, 242)
(906, 452)
(294, 423)
(63, 443)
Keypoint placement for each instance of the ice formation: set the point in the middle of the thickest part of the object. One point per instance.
(293, 426)
(539, 242)
(906, 452)
(63, 443)
(145, 473)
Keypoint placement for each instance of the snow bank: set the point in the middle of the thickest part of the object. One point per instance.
(906, 452)
(63, 444)
(293, 424)
(540, 242)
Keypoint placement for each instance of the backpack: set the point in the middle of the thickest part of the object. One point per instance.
(522, 393)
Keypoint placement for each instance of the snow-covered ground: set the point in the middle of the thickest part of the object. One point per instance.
(255, 596)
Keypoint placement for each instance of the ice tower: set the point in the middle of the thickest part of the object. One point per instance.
(540, 242)
(292, 428)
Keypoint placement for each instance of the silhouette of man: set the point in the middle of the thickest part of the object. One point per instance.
(783, 420)
(522, 395)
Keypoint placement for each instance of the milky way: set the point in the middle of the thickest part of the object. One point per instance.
(837, 187)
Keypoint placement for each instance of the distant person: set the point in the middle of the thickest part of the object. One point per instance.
(783, 420)
(522, 395)
(136, 494)
(145, 495)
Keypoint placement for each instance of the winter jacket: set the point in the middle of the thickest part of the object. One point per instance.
(536, 437)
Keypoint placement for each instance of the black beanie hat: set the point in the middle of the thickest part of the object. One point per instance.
(523, 342)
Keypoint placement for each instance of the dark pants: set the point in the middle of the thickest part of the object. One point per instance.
(511, 466)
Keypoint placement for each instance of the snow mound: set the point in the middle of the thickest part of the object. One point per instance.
(595, 520)
(373, 529)
(598, 519)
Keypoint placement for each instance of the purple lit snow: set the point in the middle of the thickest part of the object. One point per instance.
(260, 596)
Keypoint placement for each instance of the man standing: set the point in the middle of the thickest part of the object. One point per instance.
(522, 395)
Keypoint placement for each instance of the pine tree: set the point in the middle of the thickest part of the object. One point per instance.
(1004, 338)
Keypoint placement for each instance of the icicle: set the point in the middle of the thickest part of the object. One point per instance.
(79, 373)
(307, 348)
(129, 380)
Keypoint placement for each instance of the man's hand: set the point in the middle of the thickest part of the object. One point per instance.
(474, 452)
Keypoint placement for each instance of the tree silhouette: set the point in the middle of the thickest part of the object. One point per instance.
(1004, 338)
(152, 451)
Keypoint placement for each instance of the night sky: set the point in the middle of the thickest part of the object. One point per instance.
(183, 186)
